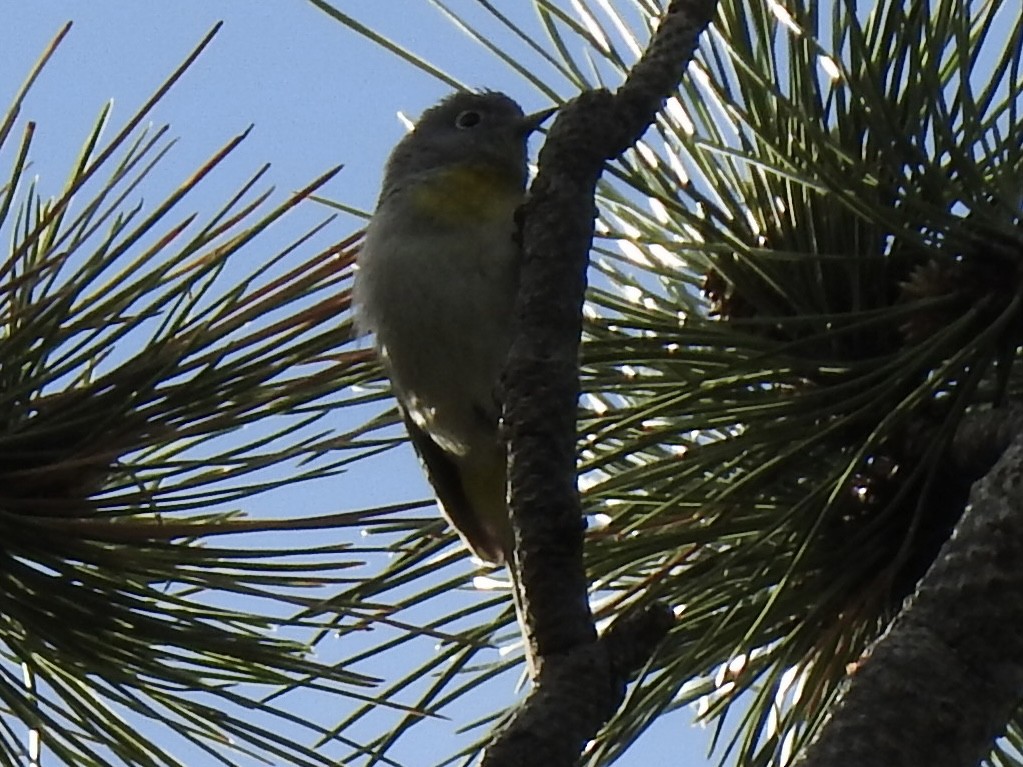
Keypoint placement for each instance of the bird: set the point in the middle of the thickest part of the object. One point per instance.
(437, 277)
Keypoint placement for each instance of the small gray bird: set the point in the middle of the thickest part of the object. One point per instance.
(437, 278)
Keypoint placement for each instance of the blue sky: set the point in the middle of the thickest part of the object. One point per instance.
(318, 95)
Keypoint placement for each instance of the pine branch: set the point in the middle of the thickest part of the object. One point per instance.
(579, 674)
(938, 688)
(982, 438)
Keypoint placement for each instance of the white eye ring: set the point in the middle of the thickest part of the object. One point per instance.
(468, 119)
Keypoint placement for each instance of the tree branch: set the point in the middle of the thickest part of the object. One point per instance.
(576, 694)
(582, 680)
(981, 439)
(937, 689)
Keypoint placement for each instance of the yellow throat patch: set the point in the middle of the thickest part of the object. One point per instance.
(466, 193)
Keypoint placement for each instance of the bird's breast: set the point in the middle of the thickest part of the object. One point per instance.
(438, 291)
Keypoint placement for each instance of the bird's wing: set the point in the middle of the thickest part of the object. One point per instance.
(445, 476)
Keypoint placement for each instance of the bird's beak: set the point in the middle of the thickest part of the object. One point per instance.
(531, 122)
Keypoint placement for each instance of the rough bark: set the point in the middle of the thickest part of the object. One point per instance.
(938, 688)
(582, 679)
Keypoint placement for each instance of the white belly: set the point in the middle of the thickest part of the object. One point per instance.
(441, 307)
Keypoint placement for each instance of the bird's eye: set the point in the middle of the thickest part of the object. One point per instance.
(468, 119)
